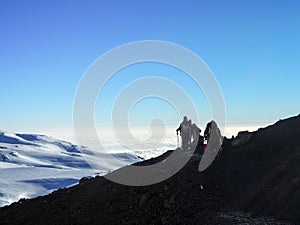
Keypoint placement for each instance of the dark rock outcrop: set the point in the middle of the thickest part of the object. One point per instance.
(242, 138)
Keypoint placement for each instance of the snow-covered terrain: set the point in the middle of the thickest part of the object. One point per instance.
(33, 165)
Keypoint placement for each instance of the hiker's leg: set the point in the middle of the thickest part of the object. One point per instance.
(185, 142)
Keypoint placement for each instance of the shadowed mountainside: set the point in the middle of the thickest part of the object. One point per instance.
(249, 183)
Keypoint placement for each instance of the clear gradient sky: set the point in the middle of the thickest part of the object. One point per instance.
(45, 47)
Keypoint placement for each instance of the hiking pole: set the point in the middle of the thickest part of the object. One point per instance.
(177, 141)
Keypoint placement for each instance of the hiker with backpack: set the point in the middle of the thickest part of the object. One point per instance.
(212, 130)
(195, 132)
(185, 130)
(207, 132)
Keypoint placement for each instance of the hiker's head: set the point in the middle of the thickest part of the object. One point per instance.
(190, 121)
(185, 118)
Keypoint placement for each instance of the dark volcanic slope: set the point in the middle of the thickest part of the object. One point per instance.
(266, 170)
(261, 176)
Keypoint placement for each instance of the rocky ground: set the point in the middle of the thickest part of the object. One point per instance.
(251, 182)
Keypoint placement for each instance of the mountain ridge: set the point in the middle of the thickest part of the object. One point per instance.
(250, 183)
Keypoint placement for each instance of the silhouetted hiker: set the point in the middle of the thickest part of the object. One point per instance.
(207, 131)
(184, 129)
(212, 127)
(196, 139)
(195, 132)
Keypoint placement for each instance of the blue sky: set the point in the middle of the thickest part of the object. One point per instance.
(46, 46)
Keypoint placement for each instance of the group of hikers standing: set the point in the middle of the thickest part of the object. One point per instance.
(190, 133)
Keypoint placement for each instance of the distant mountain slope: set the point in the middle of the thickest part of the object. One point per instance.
(33, 165)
